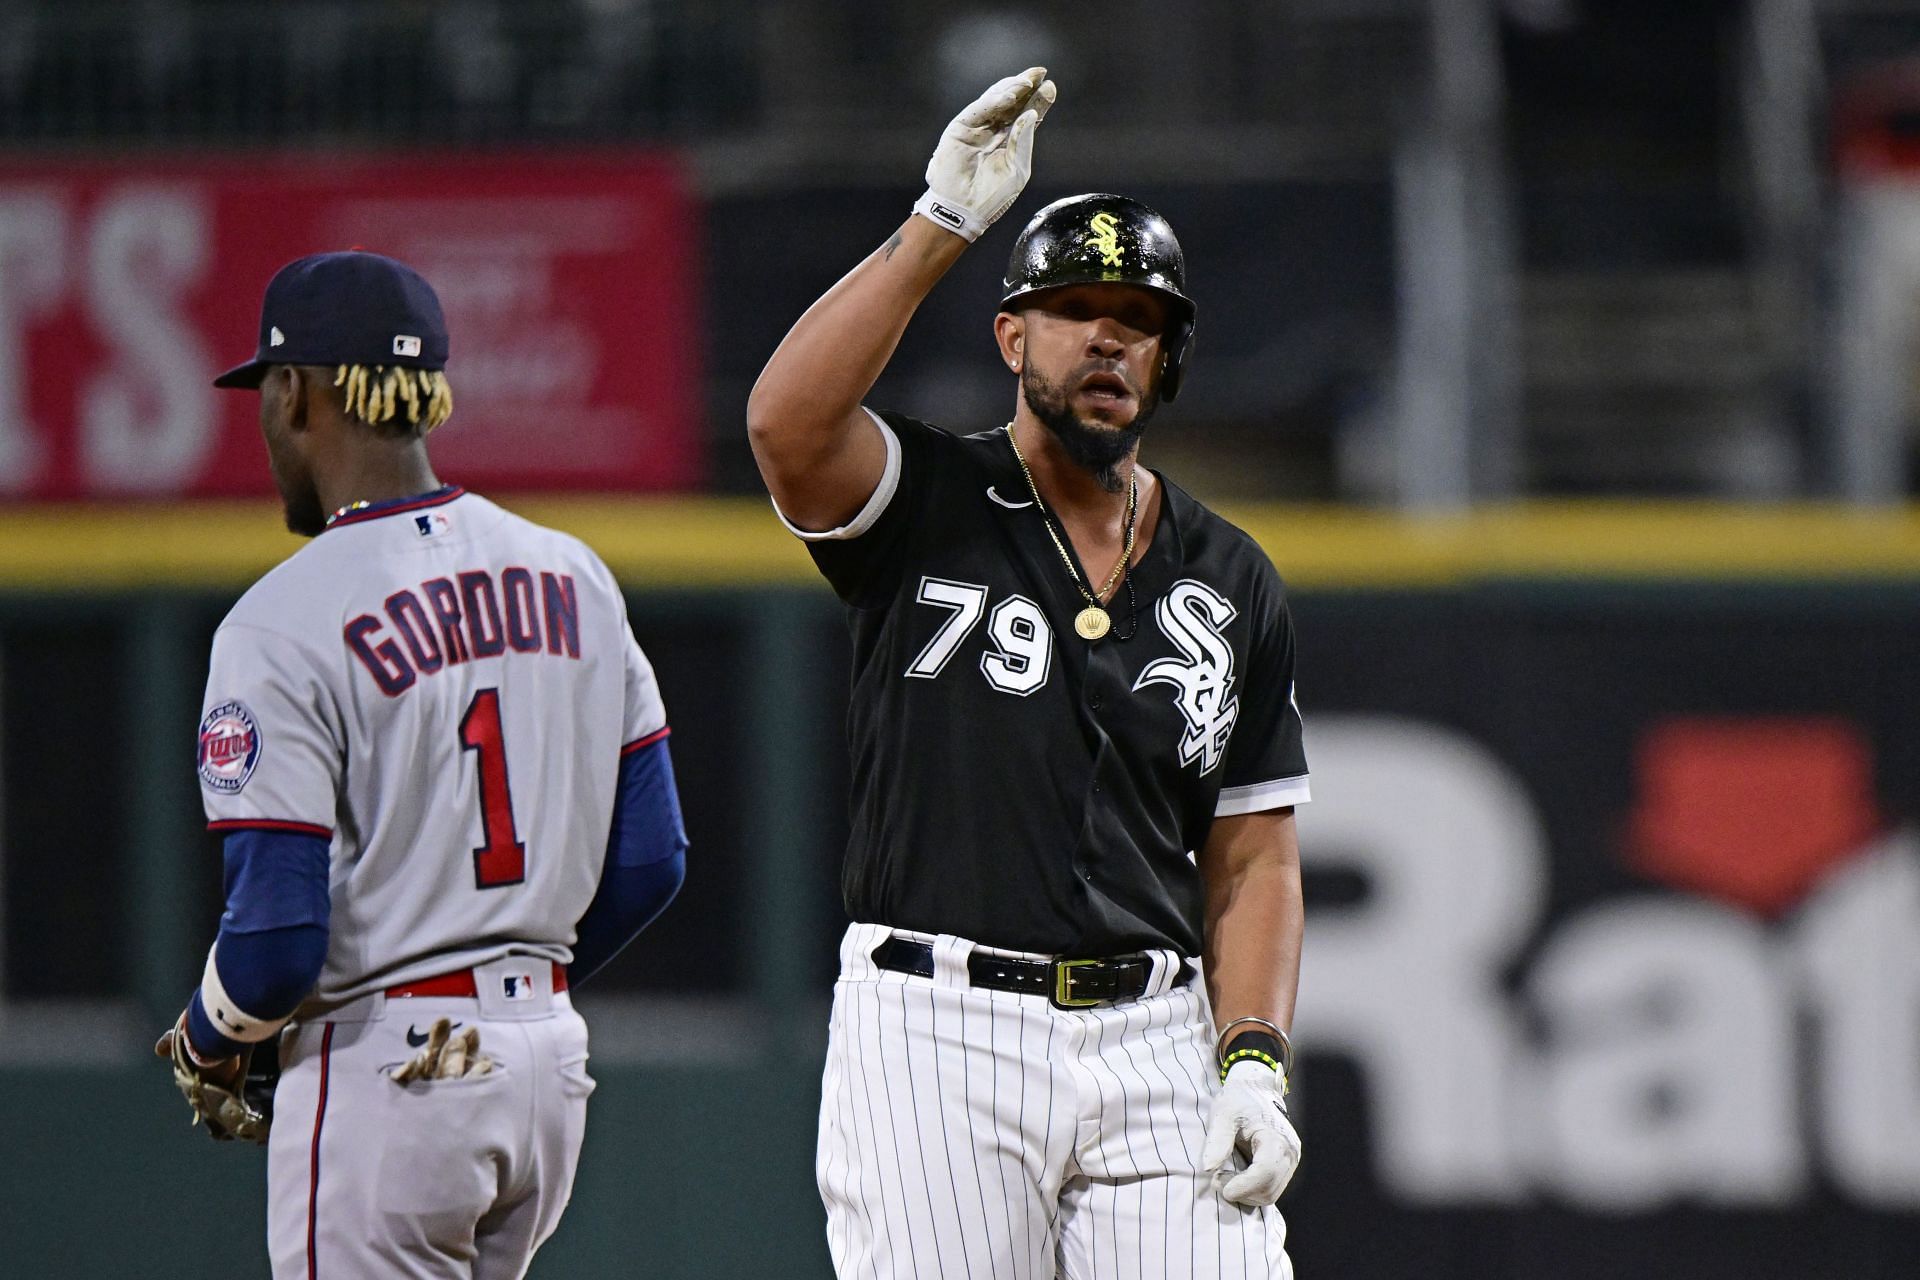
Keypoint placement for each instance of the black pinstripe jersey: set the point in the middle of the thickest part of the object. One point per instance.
(1013, 783)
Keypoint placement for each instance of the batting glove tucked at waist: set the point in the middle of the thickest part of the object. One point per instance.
(986, 155)
(1250, 1114)
(446, 1057)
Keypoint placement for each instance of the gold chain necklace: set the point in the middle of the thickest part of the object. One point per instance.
(1092, 622)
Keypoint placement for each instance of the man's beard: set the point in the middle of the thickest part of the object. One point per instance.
(303, 512)
(1094, 447)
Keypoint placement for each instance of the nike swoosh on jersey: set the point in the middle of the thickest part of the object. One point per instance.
(1011, 506)
(416, 1038)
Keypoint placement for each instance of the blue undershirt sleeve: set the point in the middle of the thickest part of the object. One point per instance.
(273, 934)
(646, 860)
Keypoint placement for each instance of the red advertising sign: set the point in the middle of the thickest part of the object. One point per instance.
(569, 283)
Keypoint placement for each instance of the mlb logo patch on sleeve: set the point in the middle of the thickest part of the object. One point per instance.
(229, 747)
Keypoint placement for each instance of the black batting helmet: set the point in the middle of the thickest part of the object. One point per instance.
(1107, 239)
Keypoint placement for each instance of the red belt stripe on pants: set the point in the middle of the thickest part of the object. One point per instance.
(459, 983)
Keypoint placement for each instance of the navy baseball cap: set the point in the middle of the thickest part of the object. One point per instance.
(346, 308)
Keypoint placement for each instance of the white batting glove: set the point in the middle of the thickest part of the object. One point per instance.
(1250, 1113)
(986, 155)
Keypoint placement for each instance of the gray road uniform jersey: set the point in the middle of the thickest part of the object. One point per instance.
(445, 689)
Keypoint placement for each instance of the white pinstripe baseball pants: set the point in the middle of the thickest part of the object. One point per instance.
(990, 1136)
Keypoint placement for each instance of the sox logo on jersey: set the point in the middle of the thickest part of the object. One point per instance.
(1192, 615)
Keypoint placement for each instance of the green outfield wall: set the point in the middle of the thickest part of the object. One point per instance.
(687, 1172)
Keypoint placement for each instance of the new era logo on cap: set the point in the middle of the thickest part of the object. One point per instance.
(405, 345)
(276, 338)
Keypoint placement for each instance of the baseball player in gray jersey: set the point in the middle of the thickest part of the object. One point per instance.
(439, 762)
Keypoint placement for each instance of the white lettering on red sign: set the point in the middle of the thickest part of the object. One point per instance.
(147, 418)
(32, 250)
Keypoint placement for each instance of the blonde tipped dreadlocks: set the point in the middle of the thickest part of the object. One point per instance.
(375, 393)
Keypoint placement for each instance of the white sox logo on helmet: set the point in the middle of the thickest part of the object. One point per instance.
(1192, 615)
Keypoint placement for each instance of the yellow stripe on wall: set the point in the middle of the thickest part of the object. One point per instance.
(728, 542)
(1347, 547)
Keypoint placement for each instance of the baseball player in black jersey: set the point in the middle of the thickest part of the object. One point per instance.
(1075, 757)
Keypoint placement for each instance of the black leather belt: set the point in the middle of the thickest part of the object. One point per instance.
(1069, 984)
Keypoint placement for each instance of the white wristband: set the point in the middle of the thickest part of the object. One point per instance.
(949, 216)
(229, 1018)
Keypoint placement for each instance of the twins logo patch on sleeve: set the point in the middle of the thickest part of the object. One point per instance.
(229, 747)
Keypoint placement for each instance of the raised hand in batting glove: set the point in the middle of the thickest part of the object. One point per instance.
(986, 155)
(1250, 1114)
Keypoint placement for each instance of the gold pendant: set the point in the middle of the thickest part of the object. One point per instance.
(1092, 622)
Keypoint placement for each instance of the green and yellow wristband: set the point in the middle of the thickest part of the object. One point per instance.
(1255, 1040)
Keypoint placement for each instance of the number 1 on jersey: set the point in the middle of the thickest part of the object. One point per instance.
(502, 859)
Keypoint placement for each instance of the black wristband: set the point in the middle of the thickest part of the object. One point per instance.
(1254, 1045)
